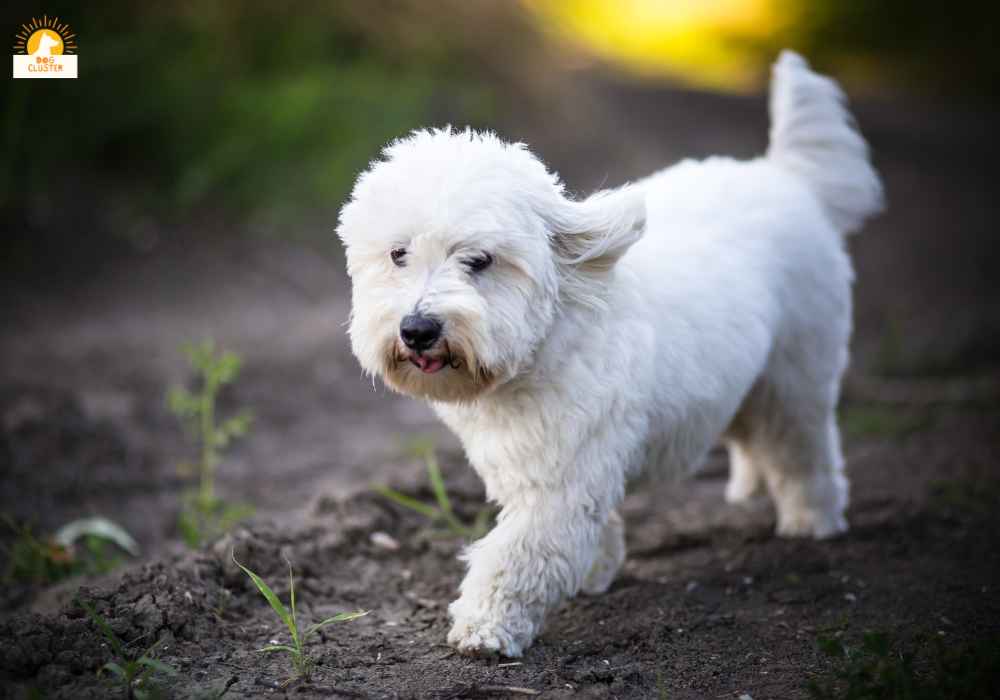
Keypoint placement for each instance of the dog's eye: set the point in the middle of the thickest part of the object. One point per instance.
(479, 263)
(398, 256)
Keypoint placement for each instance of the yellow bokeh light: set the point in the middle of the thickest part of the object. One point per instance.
(710, 43)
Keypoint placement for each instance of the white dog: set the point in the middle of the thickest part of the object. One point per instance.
(571, 343)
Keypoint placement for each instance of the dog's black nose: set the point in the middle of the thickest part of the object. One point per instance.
(419, 332)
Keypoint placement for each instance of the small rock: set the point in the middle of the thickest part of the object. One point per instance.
(383, 540)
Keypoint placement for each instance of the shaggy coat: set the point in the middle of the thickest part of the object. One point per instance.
(570, 344)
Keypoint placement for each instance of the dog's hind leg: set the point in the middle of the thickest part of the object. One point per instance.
(786, 435)
(610, 557)
(804, 472)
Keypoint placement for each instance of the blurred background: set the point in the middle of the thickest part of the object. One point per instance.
(187, 185)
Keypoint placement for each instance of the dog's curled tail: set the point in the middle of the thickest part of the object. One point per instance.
(814, 136)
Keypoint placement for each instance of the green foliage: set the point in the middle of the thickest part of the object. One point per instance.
(441, 514)
(134, 672)
(39, 561)
(203, 514)
(242, 106)
(97, 529)
(89, 546)
(302, 663)
(875, 670)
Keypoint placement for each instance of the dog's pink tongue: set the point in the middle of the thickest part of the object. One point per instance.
(429, 365)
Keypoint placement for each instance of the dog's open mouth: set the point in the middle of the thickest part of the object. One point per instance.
(432, 361)
(427, 365)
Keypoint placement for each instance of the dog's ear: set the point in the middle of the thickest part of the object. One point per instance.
(593, 234)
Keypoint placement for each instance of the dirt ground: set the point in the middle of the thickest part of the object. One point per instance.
(710, 604)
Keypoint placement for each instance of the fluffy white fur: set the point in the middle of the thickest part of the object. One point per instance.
(633, 328)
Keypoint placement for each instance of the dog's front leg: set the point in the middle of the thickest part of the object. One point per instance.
(539, 553)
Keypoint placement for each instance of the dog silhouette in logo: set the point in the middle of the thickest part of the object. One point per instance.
(46, 43)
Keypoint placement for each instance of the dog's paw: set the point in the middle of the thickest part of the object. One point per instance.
(479, 630)
(478, 638)
(811, 523)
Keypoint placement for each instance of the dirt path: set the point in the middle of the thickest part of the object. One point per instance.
(710, 604)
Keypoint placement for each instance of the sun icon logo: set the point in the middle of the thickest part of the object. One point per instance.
(45, 37)
(45, 48)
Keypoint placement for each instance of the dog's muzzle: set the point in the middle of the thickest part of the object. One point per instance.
(420, 333)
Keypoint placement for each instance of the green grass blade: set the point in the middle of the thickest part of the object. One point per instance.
(271, 598)
(278, 647)
(105, 629)
(437, 483)
(157, 665)
(408, 502)
(100, 527)
(339, 617)
(115, 669)
(291, 594)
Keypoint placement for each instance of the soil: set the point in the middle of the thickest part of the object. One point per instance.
(710, 604)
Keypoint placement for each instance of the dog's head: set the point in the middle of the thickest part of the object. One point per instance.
(463, 251)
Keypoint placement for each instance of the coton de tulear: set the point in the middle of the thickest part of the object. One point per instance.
(570, 344)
